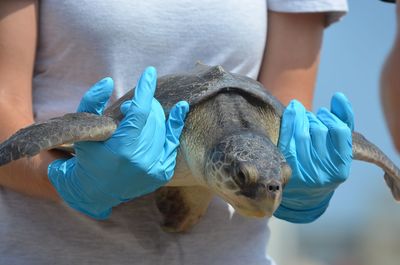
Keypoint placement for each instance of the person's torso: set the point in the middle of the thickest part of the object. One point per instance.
(83, 41)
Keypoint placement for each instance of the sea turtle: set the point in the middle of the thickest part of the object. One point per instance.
(228, 145)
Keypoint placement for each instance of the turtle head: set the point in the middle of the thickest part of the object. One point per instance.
(249, 172)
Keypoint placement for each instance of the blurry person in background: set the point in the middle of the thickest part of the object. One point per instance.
(390, 85)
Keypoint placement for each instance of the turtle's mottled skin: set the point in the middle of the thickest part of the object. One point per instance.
(228, 145)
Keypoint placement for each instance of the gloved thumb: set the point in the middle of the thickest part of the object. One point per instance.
(174, 127)
(96, 98)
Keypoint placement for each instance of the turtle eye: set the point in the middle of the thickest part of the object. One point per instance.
(240, 178)
(242, 173)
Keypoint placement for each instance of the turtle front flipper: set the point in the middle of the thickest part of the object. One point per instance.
(46, 135)
(367, 151)
(182, 207)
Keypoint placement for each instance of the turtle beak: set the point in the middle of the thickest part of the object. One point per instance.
(262, 209)
(263, 206)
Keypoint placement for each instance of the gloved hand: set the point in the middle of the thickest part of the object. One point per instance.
(319, 151)
(138, 158)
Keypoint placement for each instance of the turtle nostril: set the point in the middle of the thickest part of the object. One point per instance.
(273, 187)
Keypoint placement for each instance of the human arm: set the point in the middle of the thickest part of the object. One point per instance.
(318, 148)
(291, 57)
(18, 35)
(390, 86)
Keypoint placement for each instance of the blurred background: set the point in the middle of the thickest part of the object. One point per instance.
(362, 223)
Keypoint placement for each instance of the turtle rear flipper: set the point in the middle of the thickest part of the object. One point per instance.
(46, 135)
(366, 151)
(182, 207)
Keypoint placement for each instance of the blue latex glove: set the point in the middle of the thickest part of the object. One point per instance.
(319, 151)
(138, 158)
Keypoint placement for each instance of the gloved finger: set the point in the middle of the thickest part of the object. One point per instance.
(287, 127)
(301, 131)
(318, 134)
(339, 132)
(341, 107)
(144, 94)
(138, 112)
(96, 98)
(153, 129)
(174, 127)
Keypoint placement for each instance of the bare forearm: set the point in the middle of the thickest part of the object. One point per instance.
(28, 176)
(18, 31)
(291, 57)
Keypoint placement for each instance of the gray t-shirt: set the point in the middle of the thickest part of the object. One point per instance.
(83, 41)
